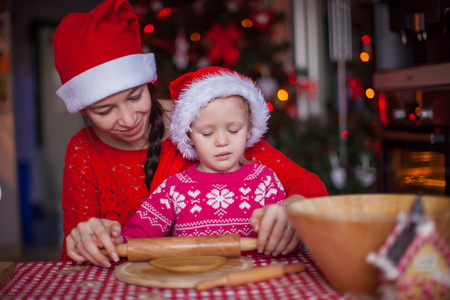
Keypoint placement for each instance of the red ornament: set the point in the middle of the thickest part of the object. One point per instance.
(262, 20)
(355, 88)
(307, 86)
(223, 44)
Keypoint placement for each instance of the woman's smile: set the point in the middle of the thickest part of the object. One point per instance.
(133, 130)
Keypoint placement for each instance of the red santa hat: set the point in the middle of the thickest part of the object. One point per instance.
(98, 54)
(193, 91)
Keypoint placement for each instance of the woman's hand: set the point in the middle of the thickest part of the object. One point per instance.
(85, 240)
(275, 234)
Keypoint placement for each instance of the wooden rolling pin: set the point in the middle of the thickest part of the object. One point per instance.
(251, 275)
(219, 245)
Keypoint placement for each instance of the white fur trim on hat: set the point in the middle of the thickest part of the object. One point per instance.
(200, 92)
(107, 79)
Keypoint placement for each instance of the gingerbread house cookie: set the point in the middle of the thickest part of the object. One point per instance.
(414, 260)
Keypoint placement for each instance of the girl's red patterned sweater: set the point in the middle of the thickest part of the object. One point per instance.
(195, 203)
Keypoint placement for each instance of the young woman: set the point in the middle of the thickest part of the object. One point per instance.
(113, 164)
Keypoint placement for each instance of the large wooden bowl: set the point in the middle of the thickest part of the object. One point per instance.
(340, 231)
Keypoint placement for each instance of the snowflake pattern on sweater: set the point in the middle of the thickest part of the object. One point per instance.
(197, 203)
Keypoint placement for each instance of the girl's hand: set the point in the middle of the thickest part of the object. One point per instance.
(85, 240)
(275, 234)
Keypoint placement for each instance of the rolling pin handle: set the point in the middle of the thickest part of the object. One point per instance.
(294, 268)
(250, 275)
(122, 250)
(209, 284)
(248, 244)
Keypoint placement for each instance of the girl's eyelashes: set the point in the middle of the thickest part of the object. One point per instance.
(210, 133)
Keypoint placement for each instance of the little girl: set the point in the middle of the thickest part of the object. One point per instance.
(217, 115)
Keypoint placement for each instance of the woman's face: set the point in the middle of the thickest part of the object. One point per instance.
(121, 120)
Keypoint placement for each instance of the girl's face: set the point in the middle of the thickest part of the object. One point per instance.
(220, 133)
(121, 120)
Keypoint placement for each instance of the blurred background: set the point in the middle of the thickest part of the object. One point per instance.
(359, 92)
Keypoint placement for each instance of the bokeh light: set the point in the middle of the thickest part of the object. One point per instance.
(370, 93)
(366, 39)
(418, 110)
(283, 95)
(344, 135)
(195, 37)
(364, 56)
(164, 13)
(292, 79)
(149, 28)
(246, 23)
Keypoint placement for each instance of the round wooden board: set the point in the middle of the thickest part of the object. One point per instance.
(144, 274)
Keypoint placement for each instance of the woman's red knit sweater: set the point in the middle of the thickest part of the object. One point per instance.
(105, 182)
